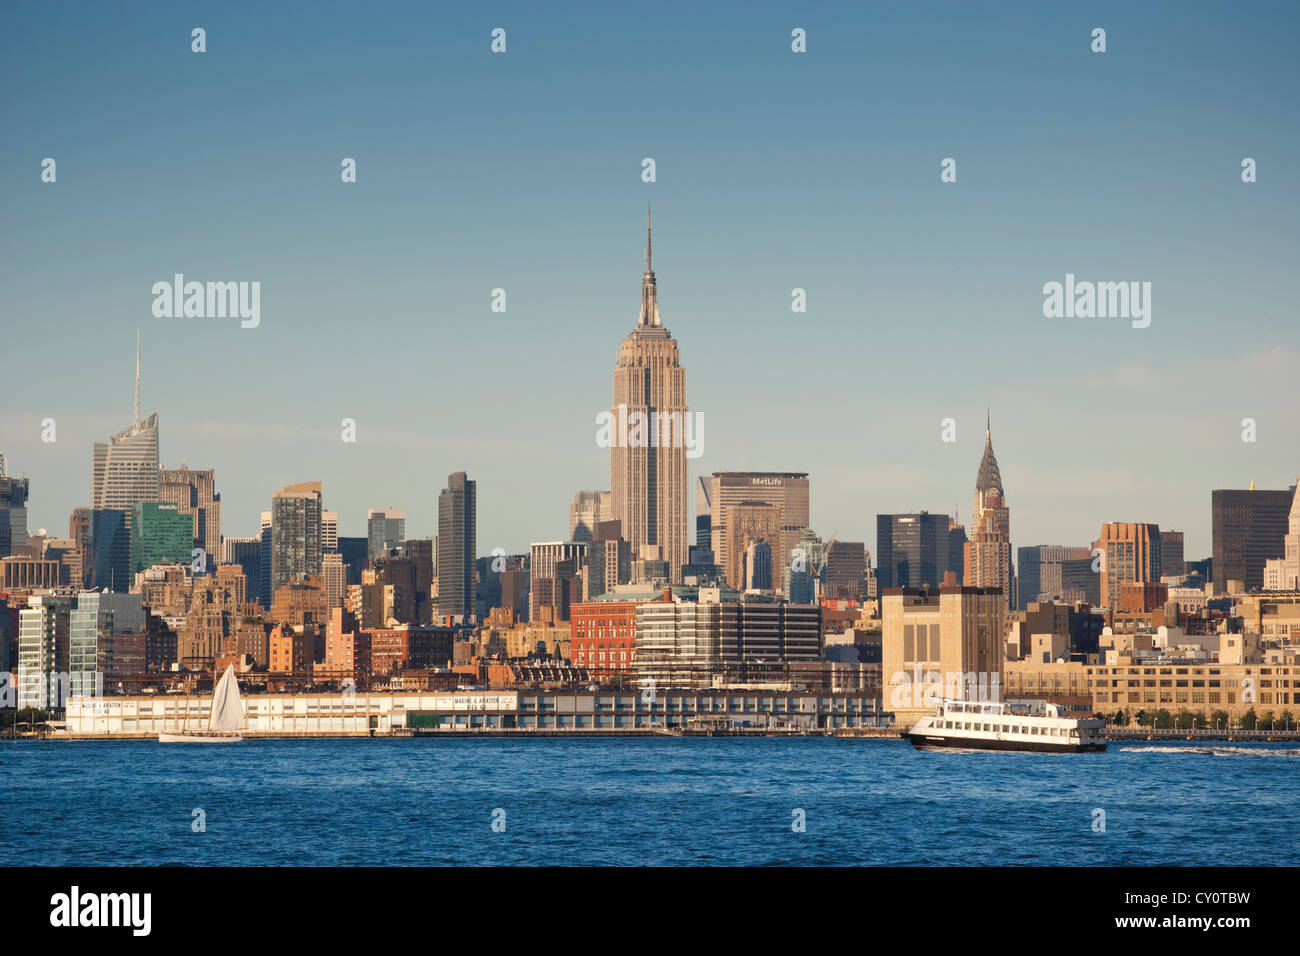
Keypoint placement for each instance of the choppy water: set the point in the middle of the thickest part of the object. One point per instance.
(634, 801)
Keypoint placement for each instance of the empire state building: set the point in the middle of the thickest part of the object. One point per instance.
(648, 466)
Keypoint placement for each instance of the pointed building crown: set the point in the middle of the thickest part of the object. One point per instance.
(989, 477)
(649, 317)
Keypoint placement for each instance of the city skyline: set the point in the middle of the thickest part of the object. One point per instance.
(1145, 421)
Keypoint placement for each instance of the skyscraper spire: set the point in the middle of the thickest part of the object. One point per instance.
(137, 376)
(649, 290)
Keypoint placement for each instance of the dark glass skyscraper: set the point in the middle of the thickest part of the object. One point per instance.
(913, 550)
(457, 527)
(13, 512)
(295, 533)
(1249, 528)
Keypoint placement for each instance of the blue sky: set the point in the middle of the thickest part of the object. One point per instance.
(775, 170)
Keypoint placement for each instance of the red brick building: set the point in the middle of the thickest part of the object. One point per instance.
(394, 649)
(603, 636)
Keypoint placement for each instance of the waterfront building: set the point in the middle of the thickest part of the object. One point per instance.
(1248, 527)
(749, 506)
(1130, 552)
(648, 476)
(456, 548)
(407, 647)
(295, 533)
(691, 636)
(1204, 688)
(194, 494)
(106, 641)
(43, 652)
(364, 714)
(604, 635)
(940, 643)
(385, 529)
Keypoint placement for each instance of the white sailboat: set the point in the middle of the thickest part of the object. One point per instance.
(223, 723)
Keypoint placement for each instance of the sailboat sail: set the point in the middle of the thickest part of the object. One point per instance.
(227, 714)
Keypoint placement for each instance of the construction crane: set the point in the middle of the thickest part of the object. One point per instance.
(817, 564)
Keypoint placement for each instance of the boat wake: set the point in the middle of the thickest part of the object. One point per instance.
(1217, 751)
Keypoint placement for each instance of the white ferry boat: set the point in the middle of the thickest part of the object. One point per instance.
(1037, 725)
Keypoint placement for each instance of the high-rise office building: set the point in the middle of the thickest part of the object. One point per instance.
(1291, 545)
(608, 560)
(329, 531)
(1130, 553)
(42, 651)
(1172, 563)
(1052, 572)
(457, 540)
(194, 494)
(125, 472)
(915, 550)
(335, 577)
(13, 511)
(385, 529)
(355, 551)
(79, 532)
(758, 566)
(988, 554)
(247, 553)
(589, 508)
(548, 562)
(1248, 527)
(295, 533)
(704, 512)
(846, 569)
(263, 589)
(110, 547)
(420, 551)
(160, 533)
(126, 467)
(648, 463)
(747, 506)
